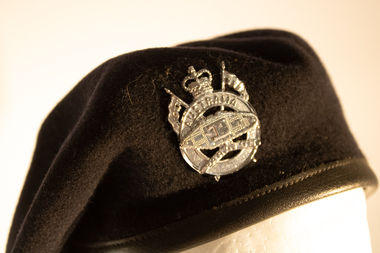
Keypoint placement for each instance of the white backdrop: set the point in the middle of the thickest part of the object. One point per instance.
(46, 47)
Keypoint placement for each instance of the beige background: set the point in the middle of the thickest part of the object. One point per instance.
(46, 47)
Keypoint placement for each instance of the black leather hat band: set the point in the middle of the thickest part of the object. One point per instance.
(261, 204)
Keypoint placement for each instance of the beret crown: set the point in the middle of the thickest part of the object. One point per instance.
(107, 173)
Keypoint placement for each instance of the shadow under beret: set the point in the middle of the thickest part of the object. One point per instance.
(108, 176)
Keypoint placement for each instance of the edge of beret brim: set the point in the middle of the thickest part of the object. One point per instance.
(269, 201)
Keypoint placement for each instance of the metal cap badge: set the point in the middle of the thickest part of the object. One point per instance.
(219, 132)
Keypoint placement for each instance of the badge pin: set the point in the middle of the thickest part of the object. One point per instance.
(219, 132)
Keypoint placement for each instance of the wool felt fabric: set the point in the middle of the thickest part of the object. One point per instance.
(107, 169)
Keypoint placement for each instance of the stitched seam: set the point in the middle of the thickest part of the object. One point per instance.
(260, 193)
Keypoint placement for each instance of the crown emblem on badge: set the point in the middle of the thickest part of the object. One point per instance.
(219, 132)
(200, 85)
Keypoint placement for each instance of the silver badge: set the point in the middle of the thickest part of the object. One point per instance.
(219, 132)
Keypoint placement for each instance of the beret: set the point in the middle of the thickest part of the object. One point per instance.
(109, 175)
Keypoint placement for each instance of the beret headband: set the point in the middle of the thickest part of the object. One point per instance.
(110, 173)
